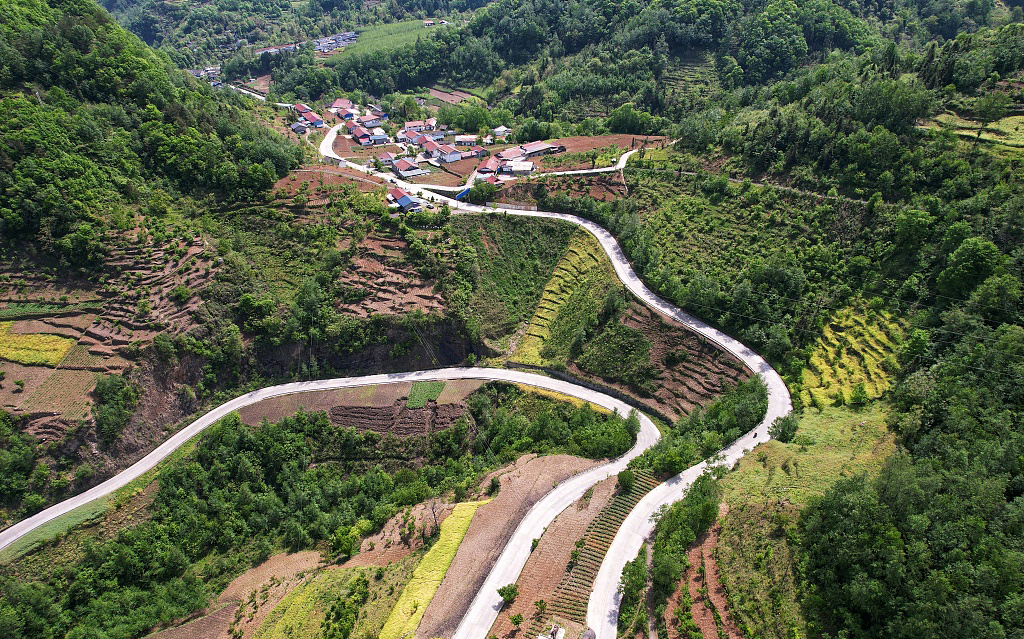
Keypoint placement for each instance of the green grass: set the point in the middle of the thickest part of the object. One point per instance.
(423, 392)
(33, 349)
(385, 36)
(427, 577)
(757, 550)
(509, 260)
(25, 310)
(51, 529)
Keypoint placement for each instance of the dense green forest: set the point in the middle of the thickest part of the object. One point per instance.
(93, 122)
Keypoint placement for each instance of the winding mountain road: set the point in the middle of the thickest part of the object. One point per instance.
(602, 612)
(566, 491)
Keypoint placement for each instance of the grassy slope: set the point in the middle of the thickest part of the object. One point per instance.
(576, 290)
(385, 36)
(766, 493)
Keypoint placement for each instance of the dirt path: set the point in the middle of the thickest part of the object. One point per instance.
(702, 553)
(522, 485)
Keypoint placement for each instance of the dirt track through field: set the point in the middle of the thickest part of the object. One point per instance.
(522, 485)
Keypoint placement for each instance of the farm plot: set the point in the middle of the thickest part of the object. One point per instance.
(65, 392)
(569, 602)
(427, 577)
(571, 298)
(423, 392)
(37, 349)
(853, 359)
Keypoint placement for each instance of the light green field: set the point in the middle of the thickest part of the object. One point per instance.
(423, 392)
(770, 486)
(301, 613)
(385, 36)
(855, 348)
(32, 349)
(1008, 131)
(427, 577)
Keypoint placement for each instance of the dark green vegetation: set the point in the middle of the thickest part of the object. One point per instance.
(94, 122)
(115, 400)
(493, 290)
(300, 483)
(706, 431)
(582, 431)
(678, 527)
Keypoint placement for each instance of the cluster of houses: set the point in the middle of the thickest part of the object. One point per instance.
(335, 42)
(430, 23)
(208, 73)
(279, 49)
(307, 119)
(515, 160)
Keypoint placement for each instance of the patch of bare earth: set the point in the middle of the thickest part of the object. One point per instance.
(582, 143)
(547, 564)
(522, 485)
(379, 269)
(705, 591)
(393, 542)
(691, 370)
(451, 98)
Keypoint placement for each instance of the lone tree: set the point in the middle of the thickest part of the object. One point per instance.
(516, 619)
(541, 606)
(626, 479)
(508, 593)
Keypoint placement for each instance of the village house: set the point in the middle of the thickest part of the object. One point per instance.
(448, 153)
(465, 140)
(350, 113)
(301, 108)
(368, 121)
(340, 105)
(379, 136)
(517, 167)
(430, 124)
(490, 165)
(431, 149)
(351, 126)
(511, 154)
(314, 119)
(406, 168)
(387, 159)
(299, 128)
(475, 152)
(418, 140)
(404, 201)
(533, 149)
(501, 131)
(428, 23)
(362, 136)
(414, 125)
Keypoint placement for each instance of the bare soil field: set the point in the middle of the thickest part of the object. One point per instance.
(456, 391)
(358, 153)
(546, 566)
(65, 392)
(214, 625)
(522, 485)
(454, 97)
(625, 141)
(11, 397)
(691, 370)
(388, 546)
(331, 175)
(702, 553)
(379, 269)
(600, 186)
(277, 408)
(437, 176)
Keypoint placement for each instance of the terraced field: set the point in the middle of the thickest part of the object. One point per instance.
(855, 349)
(691, 75)
(576, 291)
(570, 600)
(34, 349)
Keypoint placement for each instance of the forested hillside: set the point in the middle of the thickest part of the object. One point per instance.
(93, 122)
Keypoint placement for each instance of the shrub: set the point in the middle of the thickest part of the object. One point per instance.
(626, 480)
(508, 593)
(784, 428)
